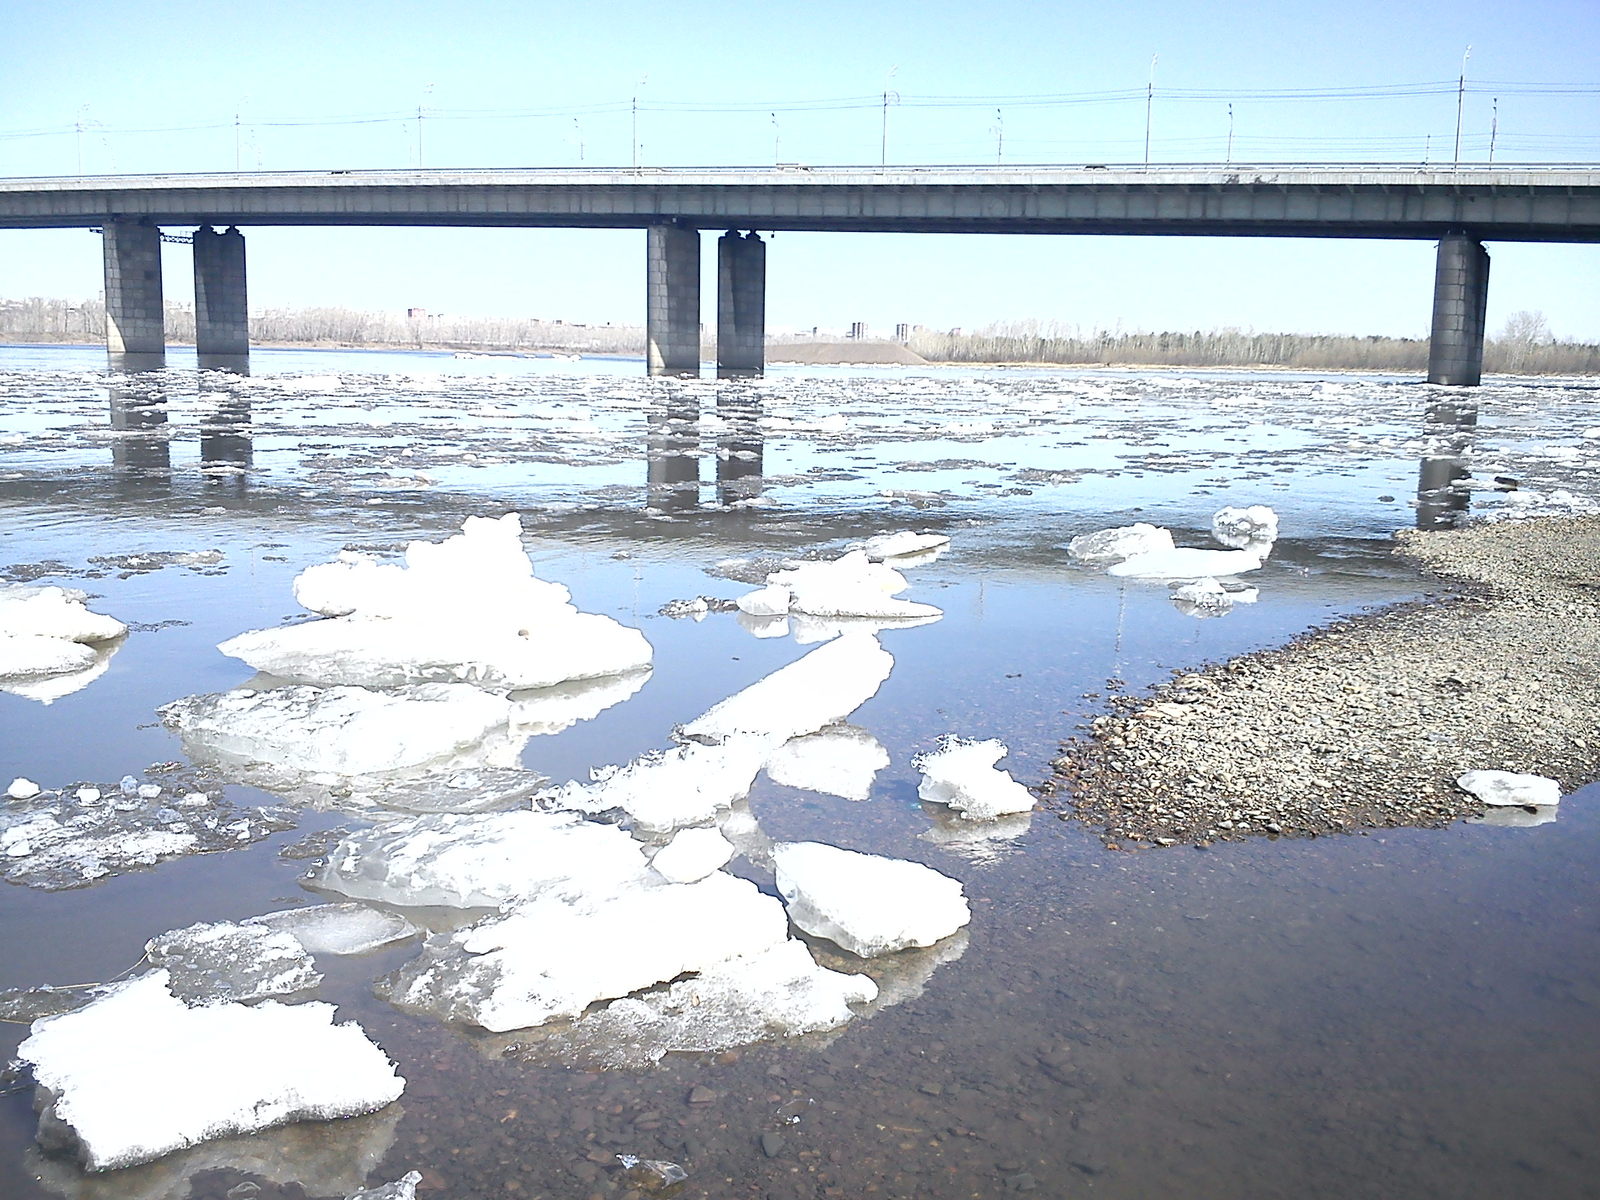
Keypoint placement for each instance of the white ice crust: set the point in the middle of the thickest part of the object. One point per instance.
(849, 586)
(821, 689)
(687, 785)
(552, 957)
(1208, 598)
(1510, 788)
(692, 854)
(138, 1074)
(480, 860)
(24, 655)
(903, 543)
(219, 961)
(838, 761)
(27, 610)
(961, 774)
(340, 730)
(338, 928)
(868, 904)
(466, 609)
(1240, 527)
(1115, 545)
(1188, 563)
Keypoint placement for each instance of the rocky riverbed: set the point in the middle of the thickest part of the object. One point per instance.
(1368, 722)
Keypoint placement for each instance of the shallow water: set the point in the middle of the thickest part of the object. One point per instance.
(1412, 1013)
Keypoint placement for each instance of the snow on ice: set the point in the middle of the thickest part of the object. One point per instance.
(904, 543)
(850, 586)
(1510, 789)
(138, 1073)
(1105, 546)
(691, 855)
(1238, 528)
(50, 643)
(840, 760)
(216, 962)
(868, 904)
(687, 785)
(961, 774)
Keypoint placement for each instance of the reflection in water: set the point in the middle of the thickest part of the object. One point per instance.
(139, 448)
(739, 447)
(225, 446)
(1441, 503)
(672, 451)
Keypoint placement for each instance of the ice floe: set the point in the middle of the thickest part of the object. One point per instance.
(840, 760)
(48, 686)
(692, 854)
(868, 904)
(219, 962)
(820, 689)
(849, 586)
(553, 709)
(338, 928)
(904, 543)
(69, 839)
(1510, 789)
(1105, 546)
(1189, 563)
(480, 860)
(57, 613)
(554, 956)
(961, 774)
(467, 609)
(346, 730)
(1238, 528)
(138, 1073)
(668, 789)
(1208, 598)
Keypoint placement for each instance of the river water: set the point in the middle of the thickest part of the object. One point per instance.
(1406, 1013)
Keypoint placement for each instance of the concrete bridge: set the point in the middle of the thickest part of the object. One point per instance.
(1458, 207)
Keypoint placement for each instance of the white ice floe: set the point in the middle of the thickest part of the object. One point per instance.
(779, 992)
(903, 543)
(1238, 528)
(692, 854)
(849, 586)
(809, 630)
(838, 761)
(218, 962)
(865, 903)
(1188, 563)
(687, 785)
(821, 689)
(553, 957)
(961, 774)
(138, 1073)
(28, 610)
(338, 928)
(1208, 598)
(479, 860)
(22, 789)
(1510, 788)
(770, 601)
(62, 678)
(404, 1188)
(1114, 545)
(465, 610)
(345, 730)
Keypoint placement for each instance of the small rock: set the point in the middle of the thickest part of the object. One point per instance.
(772, 1144)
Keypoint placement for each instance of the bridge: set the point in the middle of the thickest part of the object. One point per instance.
(1459, 207)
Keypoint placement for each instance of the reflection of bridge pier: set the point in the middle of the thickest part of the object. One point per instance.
(226, 450)
(739, 446)
(1450, 427)
(140, 449)
(672, 456)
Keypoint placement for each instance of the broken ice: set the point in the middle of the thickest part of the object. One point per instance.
(1208, 598)
(850, 586)
(1238, 528)
(840, 760)
(1105, 546)
(138, 1073)
(687, 785)
(691, 855)
(56, 613)
(338, 928)
(903, 544)
(1510, 788)
(961, 774)
(217, 962)
(866, 903)
(1188, 563)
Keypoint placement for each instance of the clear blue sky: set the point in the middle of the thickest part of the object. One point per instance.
(184, 86)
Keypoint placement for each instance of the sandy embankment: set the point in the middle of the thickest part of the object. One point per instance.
(1368, 722)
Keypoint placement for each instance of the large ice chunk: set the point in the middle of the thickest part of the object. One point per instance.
(338, 928)
(24, 655)
(1114, 545)
(780, 992)
(821, 689)
(849, 586)
(27, 610)
(467, 609)
(1510, 788)
(1241, 527)
(138, 1073)
(479, 860)
(553, 957)
(215, 962)
(841, 760)
(866, 903)
(962, 774)
(691, 855)
(1208, 598)
(687, 785)
(1189, 563)
(344, 730)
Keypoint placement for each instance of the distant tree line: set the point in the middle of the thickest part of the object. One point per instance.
(1523, 346)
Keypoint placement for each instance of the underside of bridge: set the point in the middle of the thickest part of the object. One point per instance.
(136, 337)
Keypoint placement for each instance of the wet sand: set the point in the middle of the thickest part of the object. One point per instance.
(1368, 722)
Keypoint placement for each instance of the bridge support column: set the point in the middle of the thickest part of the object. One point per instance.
(741, 304)
(136, 336)
(1460, 295)
(672, 316)
(221, 314)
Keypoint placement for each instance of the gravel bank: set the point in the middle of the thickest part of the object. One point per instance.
(1367, 723)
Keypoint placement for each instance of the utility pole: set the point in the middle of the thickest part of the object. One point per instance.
(999, 136)
(1149, 103)
(776, 136)
(1229, 159)
(1461, 94)
(1494, 127)
(883, 143)
(643, 79)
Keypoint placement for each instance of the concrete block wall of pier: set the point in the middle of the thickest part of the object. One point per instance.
(135, 317)
(221, 309)
(1460, 299)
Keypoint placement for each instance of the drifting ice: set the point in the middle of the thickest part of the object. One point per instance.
(838, 761)
(53, 612)
(553, 957)
(220, 962)
(1188, 563)
(1241, 527)
(1114, 545)
(867, 904)
(1510, 789)
(465, 610)
(691, 855)
(1208, 598)
(902, 544)
(138, 1074)
(849, 586)
(338, 928)
(962, 775)
(687, 785)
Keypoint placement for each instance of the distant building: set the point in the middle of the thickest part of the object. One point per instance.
(858, 331)
(416, 314)
(902, 333)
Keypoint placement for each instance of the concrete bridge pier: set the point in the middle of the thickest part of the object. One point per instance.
(672, 314)
(1460, 296)
(135, 319)
(221, 313)
(741, 304)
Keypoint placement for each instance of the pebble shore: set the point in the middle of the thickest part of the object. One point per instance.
(1367, 723)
